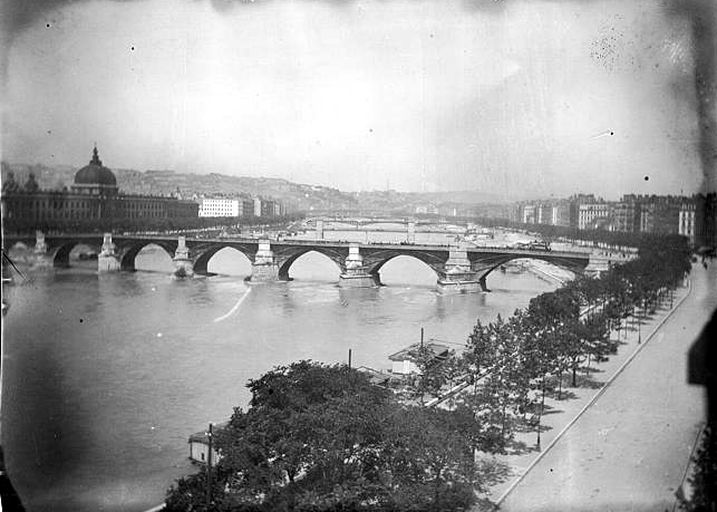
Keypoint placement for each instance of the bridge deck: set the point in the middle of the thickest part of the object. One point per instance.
(408, 247)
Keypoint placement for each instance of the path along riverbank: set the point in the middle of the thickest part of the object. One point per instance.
(624, 441)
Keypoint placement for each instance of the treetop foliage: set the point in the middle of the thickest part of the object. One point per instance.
(318, 437)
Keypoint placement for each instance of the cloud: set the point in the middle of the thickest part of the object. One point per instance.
(442, 91)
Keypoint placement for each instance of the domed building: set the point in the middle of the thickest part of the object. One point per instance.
(93, 201)
(96, 179)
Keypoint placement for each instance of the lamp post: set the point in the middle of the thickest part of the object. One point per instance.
(210, 434)
(540, 416)
(639, 330)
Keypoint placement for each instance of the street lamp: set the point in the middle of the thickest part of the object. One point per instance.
(210, 435)
(540, 416)
(639, 330)
(537, 445)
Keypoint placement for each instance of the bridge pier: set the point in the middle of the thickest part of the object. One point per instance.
(264, 267)
(483, 286)
(40, 258)
(355, 275)
(597, 265)
(411, 233)
(458, 275)
(183, 264)
(319, 229)
(108, 260)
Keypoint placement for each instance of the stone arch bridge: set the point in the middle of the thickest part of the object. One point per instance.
(458, 267)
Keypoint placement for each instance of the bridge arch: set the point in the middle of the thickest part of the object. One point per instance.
(421, 263)
(20, 245)
(202, 255)
(60, 254)
(129, 253)
(487, 268)
(423, 258)
(335, 256)
(374, 260)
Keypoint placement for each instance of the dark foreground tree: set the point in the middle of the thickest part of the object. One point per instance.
(320, 438)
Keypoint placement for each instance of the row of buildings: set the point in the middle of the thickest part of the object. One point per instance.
(95, 197)
(692, 216)
(240, 206)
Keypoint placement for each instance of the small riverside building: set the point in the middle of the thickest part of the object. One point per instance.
(199, 446)
(403, 362)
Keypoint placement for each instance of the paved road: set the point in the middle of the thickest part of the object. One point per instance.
(630, 449)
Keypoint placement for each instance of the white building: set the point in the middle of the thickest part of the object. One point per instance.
(529, 214)
(219, 207)
(589, 214)
(199, 446)
(686, 226)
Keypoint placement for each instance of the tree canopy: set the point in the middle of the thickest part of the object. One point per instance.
(318, 437)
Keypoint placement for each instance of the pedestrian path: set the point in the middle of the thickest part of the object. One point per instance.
(628, 449)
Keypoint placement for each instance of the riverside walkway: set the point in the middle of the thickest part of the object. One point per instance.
(629, 450)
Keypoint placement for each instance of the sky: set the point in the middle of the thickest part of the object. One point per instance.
(532, 98)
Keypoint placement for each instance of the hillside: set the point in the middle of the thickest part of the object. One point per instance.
(296, 196)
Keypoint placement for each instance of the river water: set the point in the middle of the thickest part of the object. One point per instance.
(105, 376)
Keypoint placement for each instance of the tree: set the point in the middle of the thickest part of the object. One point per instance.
(435, 371)
(595, 333)
(319, 437)
(9, 185)
(31, 184)
(481, 349)
(500, 385)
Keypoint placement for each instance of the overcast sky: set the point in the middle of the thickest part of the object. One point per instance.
(521, 97)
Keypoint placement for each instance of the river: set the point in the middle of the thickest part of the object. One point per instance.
(105, 376)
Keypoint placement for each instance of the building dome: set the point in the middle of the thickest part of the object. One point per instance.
(95, 174)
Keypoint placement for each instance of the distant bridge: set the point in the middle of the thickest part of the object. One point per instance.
(458, 267)
(397, 225)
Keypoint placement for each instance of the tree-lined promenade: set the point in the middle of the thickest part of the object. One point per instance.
(321, 437)
(630, 449)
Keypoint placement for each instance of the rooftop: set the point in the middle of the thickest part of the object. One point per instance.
(203, 436)
(95, 173)
(438, 350)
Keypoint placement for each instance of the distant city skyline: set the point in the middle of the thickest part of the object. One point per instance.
(515, 98)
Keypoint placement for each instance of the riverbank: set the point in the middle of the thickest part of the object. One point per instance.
(550, 272)
(561, 412)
